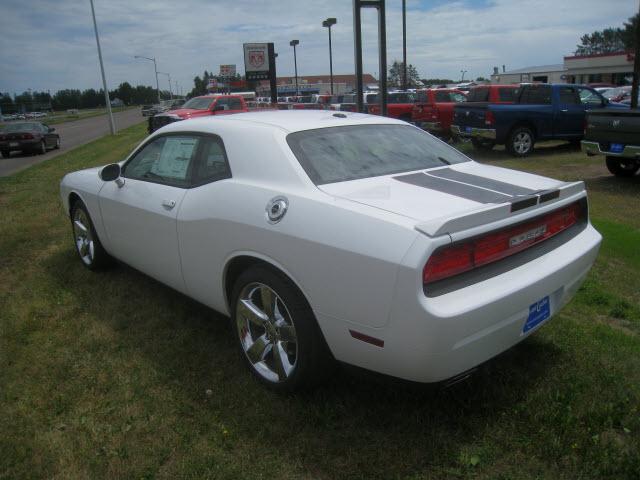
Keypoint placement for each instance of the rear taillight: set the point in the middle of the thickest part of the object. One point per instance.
(489, 119)
(26, 136)
(479, 251)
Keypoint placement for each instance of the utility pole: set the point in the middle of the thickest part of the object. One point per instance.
(636, 68)
(293, 43)
(112, 124)
(155, 69)
(329, 22)
(169, 76)
(404, 45)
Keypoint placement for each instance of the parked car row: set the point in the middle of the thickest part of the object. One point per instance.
(22, 116)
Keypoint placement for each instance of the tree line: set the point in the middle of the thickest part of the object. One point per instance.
(609, 40)
(74, 98)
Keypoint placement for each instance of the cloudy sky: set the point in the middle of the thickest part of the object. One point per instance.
(49, 44)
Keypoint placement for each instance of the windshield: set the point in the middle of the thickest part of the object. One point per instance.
(338, 154)
(199, 103)
(21, 127)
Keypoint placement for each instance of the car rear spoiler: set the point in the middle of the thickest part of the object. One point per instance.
(493, 213)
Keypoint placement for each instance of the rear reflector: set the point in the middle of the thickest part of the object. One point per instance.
(488, 248)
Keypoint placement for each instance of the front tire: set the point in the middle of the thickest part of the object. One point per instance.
(88, 246)
(57, 147)
(622, 167)
(276, 331)
(521, 141)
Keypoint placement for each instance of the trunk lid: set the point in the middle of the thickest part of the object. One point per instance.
(470, 114)
(449, 199)
(619, 126)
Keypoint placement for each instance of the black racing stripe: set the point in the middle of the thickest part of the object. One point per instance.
(545, 197)
(484, 182)
(520, 204)
(452, 188)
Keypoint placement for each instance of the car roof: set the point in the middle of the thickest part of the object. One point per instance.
(287, 120)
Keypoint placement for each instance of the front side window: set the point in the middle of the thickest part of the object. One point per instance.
(166, 160)
(338, 154)
(589, 97)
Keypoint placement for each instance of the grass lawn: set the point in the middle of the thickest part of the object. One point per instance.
(112, 375)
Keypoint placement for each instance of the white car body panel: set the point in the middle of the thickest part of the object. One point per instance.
(356, 249)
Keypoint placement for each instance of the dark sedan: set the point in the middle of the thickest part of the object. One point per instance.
(32, 137)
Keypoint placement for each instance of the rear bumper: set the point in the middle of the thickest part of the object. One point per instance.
(488, 133)
(593, 148)
(434, 339)
(21, 145)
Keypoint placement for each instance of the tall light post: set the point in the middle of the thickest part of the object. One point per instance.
(112, 124)
(155, 69)
(404, 45)
(170, 92)
(462, 72)
(293, 43)
(329, 22)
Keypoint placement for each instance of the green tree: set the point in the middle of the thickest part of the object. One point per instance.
(125, 92)
(609, 40)
(396, 73)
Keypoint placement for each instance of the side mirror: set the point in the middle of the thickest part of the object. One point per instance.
(52, 129)
(110, 172)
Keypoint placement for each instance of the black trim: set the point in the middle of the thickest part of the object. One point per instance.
(519, 204)
(456, 189)
(484, 182)
(545, 197)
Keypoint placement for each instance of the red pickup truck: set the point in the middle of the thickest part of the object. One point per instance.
(433, 110)
(200, 107)
(399, 105)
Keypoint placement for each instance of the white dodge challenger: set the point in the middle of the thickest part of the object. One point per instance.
(339, 236)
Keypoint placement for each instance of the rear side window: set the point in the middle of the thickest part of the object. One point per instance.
(478, 95)
(538, 95)
(506, 94)
(213, 164)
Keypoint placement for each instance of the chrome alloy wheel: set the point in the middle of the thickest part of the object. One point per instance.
(522, 142)
(83, 236)
(267, 332)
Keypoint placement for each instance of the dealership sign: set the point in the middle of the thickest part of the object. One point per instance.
(227, 71)
(256, 61)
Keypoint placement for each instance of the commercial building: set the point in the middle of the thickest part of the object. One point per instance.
(309, 84)
(613, 68)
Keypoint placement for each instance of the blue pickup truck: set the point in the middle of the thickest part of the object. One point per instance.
(540, 112)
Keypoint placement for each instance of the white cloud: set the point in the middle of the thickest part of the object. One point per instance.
(50, 48)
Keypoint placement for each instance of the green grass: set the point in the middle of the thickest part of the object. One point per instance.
(112, 375)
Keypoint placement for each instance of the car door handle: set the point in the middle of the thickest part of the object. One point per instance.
(168, 204)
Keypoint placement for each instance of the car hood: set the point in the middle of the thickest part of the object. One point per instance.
(188, 112)
(436, 196)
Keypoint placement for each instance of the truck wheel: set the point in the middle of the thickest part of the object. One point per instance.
(520, 143)
(622, 167)
(480, 144)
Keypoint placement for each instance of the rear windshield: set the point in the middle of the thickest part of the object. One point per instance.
(338, 154)
(446, 97)
(478, 94)
(20, 127)
(199, 103)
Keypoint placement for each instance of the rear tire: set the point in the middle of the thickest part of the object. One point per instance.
(622, 167)
(42, 149)
(276, 331)
(57, 147)
(91, 252)
(521, 141)
(482, 145)
(5, 153)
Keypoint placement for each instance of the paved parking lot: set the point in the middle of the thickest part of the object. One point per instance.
(72, 134)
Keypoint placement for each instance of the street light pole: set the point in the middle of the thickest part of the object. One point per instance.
(293, 43)
(329, 22)
(155, 69)
(170, 92)
(112, 124)
(404, 45)
(463, 72)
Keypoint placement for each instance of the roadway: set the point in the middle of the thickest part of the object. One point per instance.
(72, 135)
